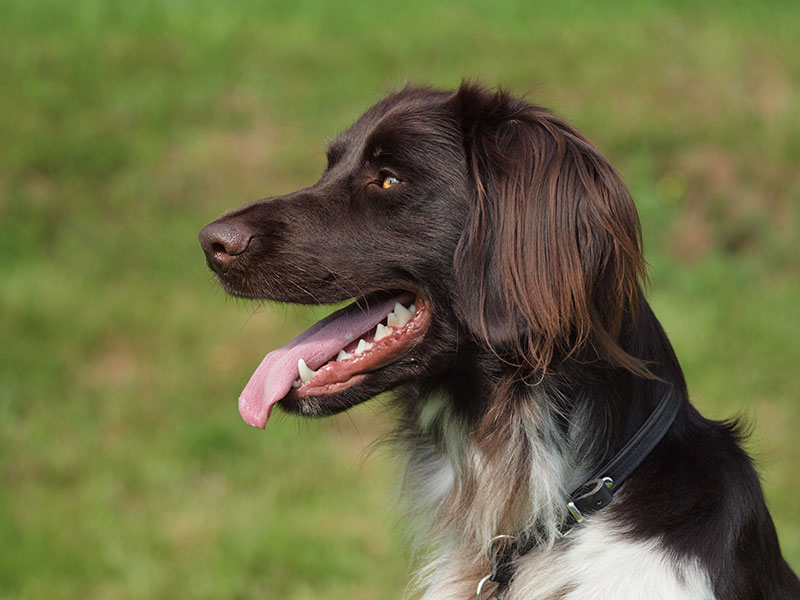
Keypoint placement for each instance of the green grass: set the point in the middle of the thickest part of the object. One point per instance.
(125, 471)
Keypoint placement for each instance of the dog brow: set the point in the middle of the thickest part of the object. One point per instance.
(336, 150)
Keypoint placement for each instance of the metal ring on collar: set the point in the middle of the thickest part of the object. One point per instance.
(481, 583)
(490, 547)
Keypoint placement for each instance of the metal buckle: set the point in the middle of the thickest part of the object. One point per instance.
(576, 514)
(573, 510)
(577, 518)
(560, 535)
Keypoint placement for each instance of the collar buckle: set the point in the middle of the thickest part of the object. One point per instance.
(592, 497)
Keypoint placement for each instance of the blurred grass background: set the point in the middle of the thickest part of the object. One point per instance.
(125, 470)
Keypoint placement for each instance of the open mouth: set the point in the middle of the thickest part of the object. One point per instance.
(336, 353)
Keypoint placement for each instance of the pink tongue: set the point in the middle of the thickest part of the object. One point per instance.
(273, 378)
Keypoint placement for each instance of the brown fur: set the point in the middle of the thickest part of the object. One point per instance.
(552, 240)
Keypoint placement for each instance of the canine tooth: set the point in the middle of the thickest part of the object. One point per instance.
(296, 383)
(305, 373)
(401, 316)
(362, 346)
(412, 309)
(381, 332)
(343, 355)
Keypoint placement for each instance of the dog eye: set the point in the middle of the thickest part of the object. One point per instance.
(389, 181)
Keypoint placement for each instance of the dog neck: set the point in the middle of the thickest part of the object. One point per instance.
(466, 482)
(490, 453)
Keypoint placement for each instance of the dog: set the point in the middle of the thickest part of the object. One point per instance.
(495, 264)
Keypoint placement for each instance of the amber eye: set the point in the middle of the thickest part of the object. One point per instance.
(389, 181)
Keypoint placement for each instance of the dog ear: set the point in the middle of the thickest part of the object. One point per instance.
(550, 258)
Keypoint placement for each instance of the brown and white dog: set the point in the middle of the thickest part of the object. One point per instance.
(495, 262)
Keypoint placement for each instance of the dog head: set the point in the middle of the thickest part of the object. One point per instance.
(474, 222)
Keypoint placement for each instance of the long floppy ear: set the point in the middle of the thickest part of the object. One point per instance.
(550, 259)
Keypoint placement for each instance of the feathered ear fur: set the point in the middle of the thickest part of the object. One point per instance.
(550, 259)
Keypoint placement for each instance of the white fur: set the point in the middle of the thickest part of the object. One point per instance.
(599, 563)
(595, 561)
(446, 465)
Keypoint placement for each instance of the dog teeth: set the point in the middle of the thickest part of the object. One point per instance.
(305, 373)
(399, 317)
(382, 331)
(363, 345)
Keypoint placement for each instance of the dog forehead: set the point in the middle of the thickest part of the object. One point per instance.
(402, 116)
(411, 100)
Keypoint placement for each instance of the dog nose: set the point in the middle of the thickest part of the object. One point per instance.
(223, 242)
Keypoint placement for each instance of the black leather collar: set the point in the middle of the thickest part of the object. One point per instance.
(595, 494)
